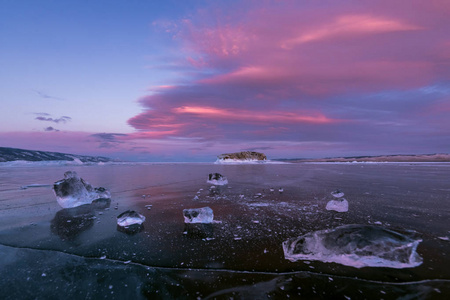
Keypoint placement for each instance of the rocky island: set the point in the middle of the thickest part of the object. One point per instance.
(242, 157)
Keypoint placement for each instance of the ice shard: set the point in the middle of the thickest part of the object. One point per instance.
(217, 179)
(339, 205)
(73, 191)
(356, 246)
(198, 215)
(130, 217)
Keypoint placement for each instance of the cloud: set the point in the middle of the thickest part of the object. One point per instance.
(50, 129)
(47, 118)
(336, 75)
(47, 96)
(108, 140)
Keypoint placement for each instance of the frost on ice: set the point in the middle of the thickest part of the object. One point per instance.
(73, 191)
(339, 205)
(356, 246)
(130, 217)
(217, 179)
(198, 215)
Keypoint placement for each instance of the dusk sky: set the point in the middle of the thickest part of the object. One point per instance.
(188, 80)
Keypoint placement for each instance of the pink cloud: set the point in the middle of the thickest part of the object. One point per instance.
(348, 26)
(246, 116)
(295, 71)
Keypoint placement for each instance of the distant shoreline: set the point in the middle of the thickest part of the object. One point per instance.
(382, 158)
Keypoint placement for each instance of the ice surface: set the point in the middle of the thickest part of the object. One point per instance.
(217, 179)
(356, 246)
(198, 215)
(73, 191)
(337, 194)
(339, 205)
(130, 217)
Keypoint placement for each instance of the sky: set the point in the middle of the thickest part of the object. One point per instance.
(188, 80)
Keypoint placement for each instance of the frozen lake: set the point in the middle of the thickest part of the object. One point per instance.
(50, 252)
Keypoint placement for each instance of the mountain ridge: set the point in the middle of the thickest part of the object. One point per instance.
(16, 154)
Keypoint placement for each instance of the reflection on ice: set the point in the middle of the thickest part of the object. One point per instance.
(73, 191)
(198, 215)
(199, 230)
(68, 223)
(356, 246)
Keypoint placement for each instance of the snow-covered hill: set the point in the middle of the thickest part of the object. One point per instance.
(13, 154)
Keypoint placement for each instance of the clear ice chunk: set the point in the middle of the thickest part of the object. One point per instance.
(337, 194)
(130, 217)
(198, 215)
(217, 179)
(73, 191)
(356, 246)
(339, 205)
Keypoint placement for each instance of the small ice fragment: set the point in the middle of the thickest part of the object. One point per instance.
(272, 189)
(255, 221)
(34, 185)
(444, 238)
(43, 275)
(130, 217)
(339, 205)
(198, 215)
(195, 197)
(377, 223)
(265, 251)
(217, 179)
(237, 238)
(258, 195)
(103, 257)
(73, 191)
(356, 246)
(143, 196)
(337, 194)
(280, 190)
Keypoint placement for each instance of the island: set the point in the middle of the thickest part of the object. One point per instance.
(242, 157)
